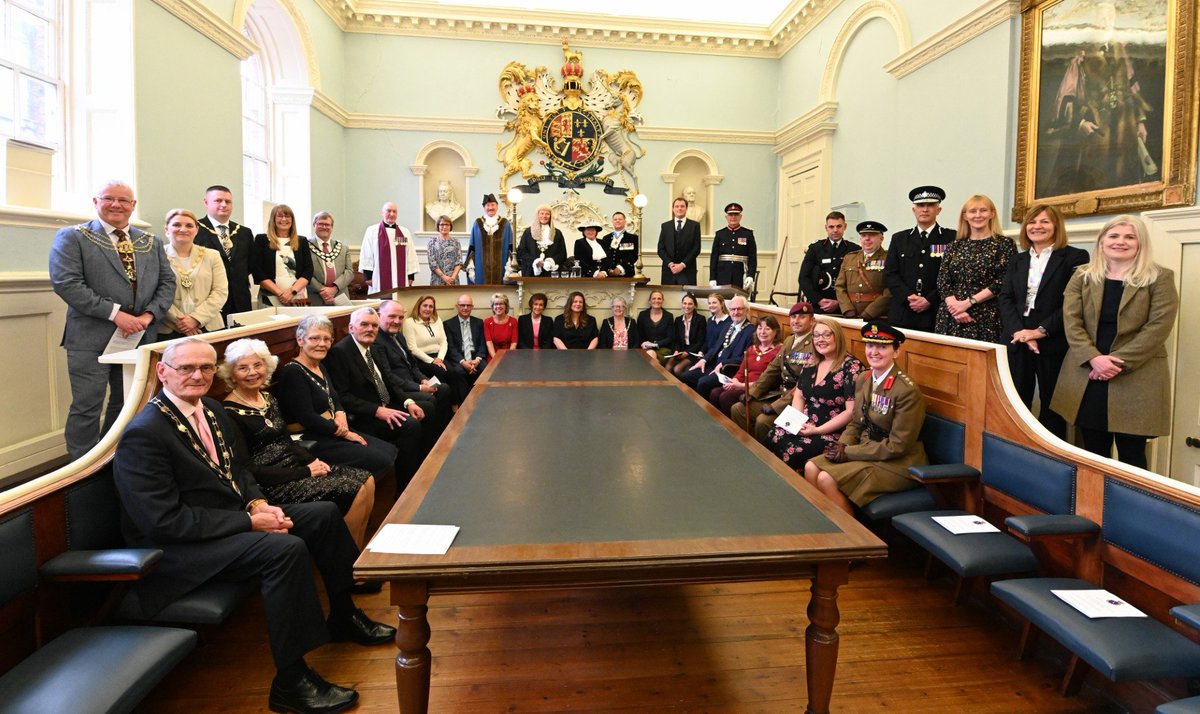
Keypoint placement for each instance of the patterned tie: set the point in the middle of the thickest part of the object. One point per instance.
(729, 334)
(205, 434)
(379, 388)
(226, 244)
(330, 276)
(125, 252)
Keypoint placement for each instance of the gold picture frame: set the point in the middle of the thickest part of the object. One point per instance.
(1107, 118)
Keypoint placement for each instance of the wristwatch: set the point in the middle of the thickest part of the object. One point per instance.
(971, 299)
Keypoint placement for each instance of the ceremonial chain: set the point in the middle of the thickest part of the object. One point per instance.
(185, 277)
(225, 472)
(320, 382)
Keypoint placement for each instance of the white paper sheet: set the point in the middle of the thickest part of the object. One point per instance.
(413, 539)
(965, 524)
(791, 419)
(341, 299)
(121, 343)
(1098, 603)
(722, 378)
(434, 381)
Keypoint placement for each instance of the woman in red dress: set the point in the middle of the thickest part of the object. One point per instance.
(767, 341)
(499, 330)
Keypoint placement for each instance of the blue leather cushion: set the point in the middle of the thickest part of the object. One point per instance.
(944, 440)
(1191, 705)
(94, 670)
(1120, 648)
(1187, 614)
(968, 554)
(18, 561)
(208, 604)
(931, 473)
(94, 514)
(1041, 524)
(1156, 529)
(1029, 476)
(114, 561)
(893, 504)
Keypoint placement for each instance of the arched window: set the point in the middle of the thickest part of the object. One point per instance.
(256, 138)
(30, 76)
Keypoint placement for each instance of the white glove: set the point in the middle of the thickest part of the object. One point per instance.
(549, 265)
(471, 272)
(712, 283)
(748, 283)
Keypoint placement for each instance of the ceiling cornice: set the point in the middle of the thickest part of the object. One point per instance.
(426, 19)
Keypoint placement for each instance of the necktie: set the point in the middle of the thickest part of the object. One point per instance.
(379, 388)
(125, 252)
(396, 341)
(330, 276)
(223, 234)
(468, 344)
(678, 226)
(202, 430)
(924, 235)
(729, 335)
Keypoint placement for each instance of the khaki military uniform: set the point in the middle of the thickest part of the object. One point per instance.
(774, 386)
(861, 291)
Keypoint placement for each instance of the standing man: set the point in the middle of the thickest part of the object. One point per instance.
(772, 391)
(232, 242)
(117, 283)
(734, 259)
(914, 258)
(679, 246)
(822, 263)
(434, 399)
(388, 257)
(467, 345)
(491, 244)
(332, 269)
(182, 493)
(623, 246)
(861, 291)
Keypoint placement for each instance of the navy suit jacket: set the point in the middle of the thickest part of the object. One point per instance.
(732, 355)
(400, 361)
(88, 275)
(454, 350)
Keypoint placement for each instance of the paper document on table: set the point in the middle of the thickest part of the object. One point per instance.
(1098, 603)
(791, 419)
(965, 524)
(121, 343)
(413, 539)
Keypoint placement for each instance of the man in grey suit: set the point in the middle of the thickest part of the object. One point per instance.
(114, 278)
(332, 269)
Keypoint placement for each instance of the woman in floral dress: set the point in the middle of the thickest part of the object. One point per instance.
(972, 272)
(445, 255)
(825, 392)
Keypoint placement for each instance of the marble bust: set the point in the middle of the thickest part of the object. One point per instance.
(445, 205)
(694, 210)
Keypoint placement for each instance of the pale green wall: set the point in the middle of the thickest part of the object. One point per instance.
(328, 170)
(329, 44)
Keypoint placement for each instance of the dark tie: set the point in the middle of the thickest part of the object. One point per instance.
(924, 235)
(226, 244)
(379, 388)
(678, 227)
(125, 252)
(729, 334)
(396, 341)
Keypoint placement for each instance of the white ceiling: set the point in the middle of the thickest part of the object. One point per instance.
(751, 12)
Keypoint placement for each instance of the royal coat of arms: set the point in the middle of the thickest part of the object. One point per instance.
(585, 136)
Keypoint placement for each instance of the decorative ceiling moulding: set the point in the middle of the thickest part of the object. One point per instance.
(966, 28)
(425, 19)
(818, 121)
(206, 22)
(715, 136)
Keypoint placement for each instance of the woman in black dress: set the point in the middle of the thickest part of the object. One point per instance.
(688, 337)
(311, 406)
(656, 328)
(535, 331)
(971, 273)
(286, 472)
(575, 329)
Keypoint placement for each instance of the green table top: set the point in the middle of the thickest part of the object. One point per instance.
(575, 366)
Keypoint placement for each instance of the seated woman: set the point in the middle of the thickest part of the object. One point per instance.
(285, 471)
(656, 327)
(311, 406)
(200, 283)
(575, 329)
(689, 337)
(883, 437)
(618, 332)
(499, 330)
(595, 259)
(767, 341)
(825, 392)
(535, 331)
(426, 337)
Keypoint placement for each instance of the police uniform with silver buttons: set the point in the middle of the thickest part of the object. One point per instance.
(914, 258)
(819, 271)
(734, 254)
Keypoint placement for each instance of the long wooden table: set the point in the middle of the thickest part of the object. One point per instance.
(596, 469)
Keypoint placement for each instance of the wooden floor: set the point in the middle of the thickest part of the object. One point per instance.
(698, 648)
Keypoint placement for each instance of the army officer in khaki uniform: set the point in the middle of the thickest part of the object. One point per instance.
(883, 440)
(772, 391)
(861, 291)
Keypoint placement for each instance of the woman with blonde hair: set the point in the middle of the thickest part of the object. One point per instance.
(200, 283)
(426, 337)
(972, 270)
(500, 328)
(542, 249)
(280, 266)
(1117, 313)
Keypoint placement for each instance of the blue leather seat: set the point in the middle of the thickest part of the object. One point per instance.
(945, 443)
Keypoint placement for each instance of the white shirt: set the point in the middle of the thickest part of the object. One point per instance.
(875, 381)
(1037, 266)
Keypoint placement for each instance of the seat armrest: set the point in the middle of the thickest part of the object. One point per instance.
(1187, 614)
(944, 473)
(104, 565)
(1038, 526)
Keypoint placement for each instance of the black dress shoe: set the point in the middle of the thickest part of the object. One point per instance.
(361, 629)
(311, 695)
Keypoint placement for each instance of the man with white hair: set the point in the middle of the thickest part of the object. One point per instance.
(702, 376)
(388, 258)
(116, 282)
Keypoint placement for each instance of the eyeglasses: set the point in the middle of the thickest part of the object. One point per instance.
(822, 335)
(119, 200)
(186, 370)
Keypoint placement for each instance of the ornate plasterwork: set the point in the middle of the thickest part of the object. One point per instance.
(954, 35)
(816, 121)
(883, 9)
(211, 25)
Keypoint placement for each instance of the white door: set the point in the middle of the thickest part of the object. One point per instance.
(803, 220)
(1185, 426)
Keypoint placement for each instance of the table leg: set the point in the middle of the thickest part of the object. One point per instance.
(821, 637)
(412, 637)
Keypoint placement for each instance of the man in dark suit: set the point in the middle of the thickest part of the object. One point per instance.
(332, 269)
(822, 263)
(726, 357)
(434, 399)
(625, 248)
(679, 246)
(371, 396)
(913, 260)
(467, 348)
(114, 278)
(181, 492)
(232, 242)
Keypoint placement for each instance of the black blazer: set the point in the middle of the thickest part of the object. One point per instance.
(662, 335)
(454, 350)
(353, 380)
(302, 401)
(237, 263)
(262, 259)
(525, 333)
(697, 333)
(682, 249)
(626, 253)
(401, 362)
(1048, 305)
(588, 265)
(608, 333)
(527, 252)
